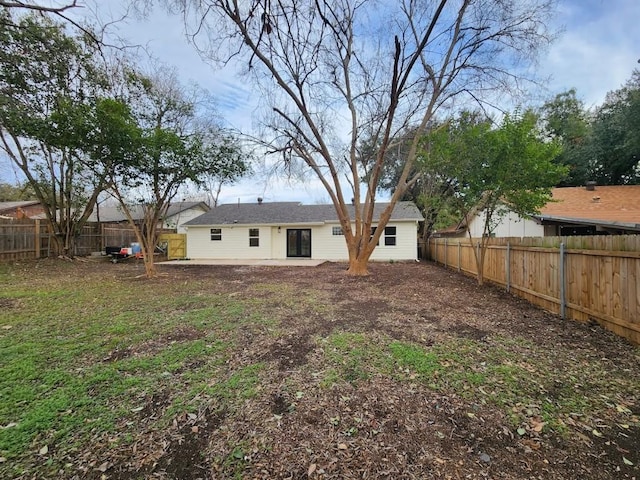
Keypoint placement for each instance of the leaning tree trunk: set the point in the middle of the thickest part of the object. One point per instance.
(480, 253)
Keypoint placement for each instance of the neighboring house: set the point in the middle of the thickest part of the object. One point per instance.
(589, 210)
(21, 209)
(293, 230)
(177, 214)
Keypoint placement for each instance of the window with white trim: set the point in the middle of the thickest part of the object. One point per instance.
(216, 234)
(254, 237)
(336, 231)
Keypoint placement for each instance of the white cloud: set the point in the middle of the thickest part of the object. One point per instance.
(598, 50)
(596, 54)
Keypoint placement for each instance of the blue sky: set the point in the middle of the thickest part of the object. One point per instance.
(596, 53)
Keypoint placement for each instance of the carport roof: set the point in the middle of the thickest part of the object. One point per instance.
(282, 213)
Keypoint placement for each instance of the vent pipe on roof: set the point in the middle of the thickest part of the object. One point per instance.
(590, 185)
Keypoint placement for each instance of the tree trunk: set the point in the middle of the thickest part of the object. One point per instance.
(56, 245)
(150, 269)
(480, 275)
(61, 245)
(358, 266)
(482, 250)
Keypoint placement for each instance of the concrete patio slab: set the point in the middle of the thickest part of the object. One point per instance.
(292, 262)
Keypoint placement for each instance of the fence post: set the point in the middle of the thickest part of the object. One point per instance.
(459, 256)
(36, 238)
(478, 259)
(446, 245)
(563, 293)
(508, 267)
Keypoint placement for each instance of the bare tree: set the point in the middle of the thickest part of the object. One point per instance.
(38, 7)
(337, 72)
(60, 10)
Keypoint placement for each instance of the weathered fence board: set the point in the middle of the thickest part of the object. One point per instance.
(594, 278)
(26, 238)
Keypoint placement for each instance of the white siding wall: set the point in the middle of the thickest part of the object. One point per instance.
(273, 243)
(234, 243)
(512, 225)
(176, 221)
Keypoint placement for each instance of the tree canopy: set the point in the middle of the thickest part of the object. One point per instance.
(493, 171)
(50, 85)
(600, 145)
(76, 128)
(173, 145)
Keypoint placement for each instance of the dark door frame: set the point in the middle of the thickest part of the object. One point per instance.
(298, 242)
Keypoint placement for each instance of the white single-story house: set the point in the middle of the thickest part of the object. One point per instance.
(588, 210)
(282, 230)
(178, 214)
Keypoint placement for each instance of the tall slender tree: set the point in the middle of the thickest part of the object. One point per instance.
(566, 119)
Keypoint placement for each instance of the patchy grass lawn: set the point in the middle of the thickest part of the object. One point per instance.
(268, 372)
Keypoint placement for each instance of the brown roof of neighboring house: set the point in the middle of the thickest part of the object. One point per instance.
(614, 203)
(607, 205)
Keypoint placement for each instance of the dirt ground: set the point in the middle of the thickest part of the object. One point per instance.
(378, 427)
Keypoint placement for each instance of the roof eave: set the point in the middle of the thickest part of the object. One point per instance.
(588, 221)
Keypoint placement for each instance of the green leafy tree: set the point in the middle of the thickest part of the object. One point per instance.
(566, 119)
(16, 192)
(335, 73)
(495, 170)
(50, 88)
(615, 141)
(175, 146)
(431, 192)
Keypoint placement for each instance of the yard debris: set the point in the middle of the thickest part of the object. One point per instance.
(272, 384)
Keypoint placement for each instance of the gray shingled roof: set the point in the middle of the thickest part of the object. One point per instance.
(282, 213)
(115, 214)
(4, 206)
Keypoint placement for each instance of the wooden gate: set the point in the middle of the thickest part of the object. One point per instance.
(176, 245)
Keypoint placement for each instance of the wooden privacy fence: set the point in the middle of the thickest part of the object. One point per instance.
(20, 239)
(24, 239)
(581, 278)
